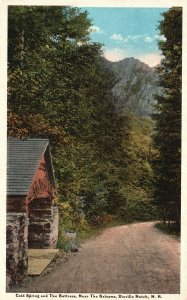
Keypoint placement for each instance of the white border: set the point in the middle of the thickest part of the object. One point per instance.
(3, 96)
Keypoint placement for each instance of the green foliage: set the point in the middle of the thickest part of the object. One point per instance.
(168, 120)
(137, 206)
(42, 50)
(168, 228)
(72, 222)
(139, 152)
(137, 177)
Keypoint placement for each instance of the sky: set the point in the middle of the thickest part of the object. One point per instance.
(127, 32)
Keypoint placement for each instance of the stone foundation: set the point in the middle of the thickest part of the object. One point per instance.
(17, 247)
(43, 224)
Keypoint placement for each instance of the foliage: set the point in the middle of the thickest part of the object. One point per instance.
(168, 228)
(70, 221)
(43, 46)
(76, 223)
(137, 206)
(168, 120)
(136, 189)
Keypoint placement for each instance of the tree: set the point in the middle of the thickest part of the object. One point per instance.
(136, 171)
(41, 43)
(168, 118)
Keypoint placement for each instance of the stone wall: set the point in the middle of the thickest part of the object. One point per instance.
(17, 247)
(43, 224)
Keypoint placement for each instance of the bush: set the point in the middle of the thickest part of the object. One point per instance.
(169, 228)
(70, 221)
(136, 207)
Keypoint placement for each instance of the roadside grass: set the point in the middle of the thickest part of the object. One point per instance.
(168, 228)
(94, 230)
(85, 233)
(89, 231)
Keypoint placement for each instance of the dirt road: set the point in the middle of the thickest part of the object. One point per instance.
(128, 259)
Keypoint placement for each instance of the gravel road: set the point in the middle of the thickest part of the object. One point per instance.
(129, 259)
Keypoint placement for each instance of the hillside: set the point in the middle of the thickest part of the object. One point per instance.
(135, 84)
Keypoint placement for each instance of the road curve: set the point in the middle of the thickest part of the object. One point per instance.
(129, 259)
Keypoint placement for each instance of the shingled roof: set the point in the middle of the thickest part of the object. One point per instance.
(23, 158)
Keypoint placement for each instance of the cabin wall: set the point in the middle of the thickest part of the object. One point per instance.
(43, 224)
(17, 204)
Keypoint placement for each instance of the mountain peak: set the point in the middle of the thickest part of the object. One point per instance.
(134, 62)
(131, 61)
(135, 86)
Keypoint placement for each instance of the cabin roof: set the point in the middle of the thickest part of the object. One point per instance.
(23, 160)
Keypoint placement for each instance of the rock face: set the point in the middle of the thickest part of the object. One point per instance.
(16, 247)
(134, 86)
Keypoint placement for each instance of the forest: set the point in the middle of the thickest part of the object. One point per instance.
(108, 167)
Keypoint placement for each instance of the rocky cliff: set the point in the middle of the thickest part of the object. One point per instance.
(135, 84)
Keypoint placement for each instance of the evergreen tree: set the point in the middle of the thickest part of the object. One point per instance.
(168, 128)
(42, 41)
